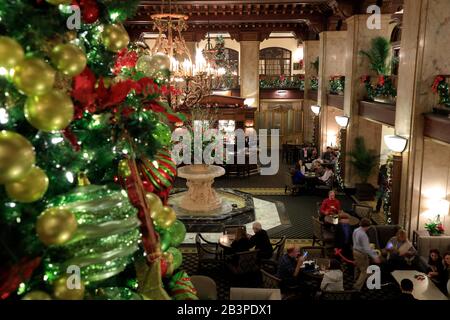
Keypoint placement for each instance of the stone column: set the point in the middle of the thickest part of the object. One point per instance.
(332, 62)
(423, 55)
(359, 38)
(310, 53)
(249, 71)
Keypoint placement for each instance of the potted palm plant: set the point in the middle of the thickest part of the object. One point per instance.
(384, 90)
(364, 161)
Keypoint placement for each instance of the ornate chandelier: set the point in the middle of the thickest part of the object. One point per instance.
(193, 80)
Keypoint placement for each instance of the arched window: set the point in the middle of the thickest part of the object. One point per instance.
(396, 38)
(275, 61)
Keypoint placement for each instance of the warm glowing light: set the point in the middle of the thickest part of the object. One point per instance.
(342, 121)
(395, 143)
(249, 101)
(298, 54)
(315, 109)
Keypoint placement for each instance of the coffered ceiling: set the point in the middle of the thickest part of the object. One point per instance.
(256, 19)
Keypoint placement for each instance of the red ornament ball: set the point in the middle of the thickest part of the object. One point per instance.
(90, 12)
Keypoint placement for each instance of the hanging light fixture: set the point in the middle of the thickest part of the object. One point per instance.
(193, 80)
(395, 143)
(315, 109)
(342, 121)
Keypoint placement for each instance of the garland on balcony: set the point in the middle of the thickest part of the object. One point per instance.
(337, 84)
(283, 82)
(441, 88)
(388, 191)
(314, 83)
(338, 168)
(384, 87)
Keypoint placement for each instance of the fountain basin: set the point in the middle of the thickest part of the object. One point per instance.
(236, 208)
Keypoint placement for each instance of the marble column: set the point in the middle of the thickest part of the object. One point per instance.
(359, 38)
(249, 72)
(423, 55)
(310, 54)
(332, 63)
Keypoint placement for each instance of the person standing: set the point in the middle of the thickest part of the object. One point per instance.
(361, 253)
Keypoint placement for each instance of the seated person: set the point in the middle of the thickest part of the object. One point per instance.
(435, 266)
(401, 253)
(298, 176)
(241, 243)
(289, 266)
(407, 287)
(260, 240)
(326, 177)
(343, 236)
(333, 279)
(300, 167)
(445, 278)
(327, 155)
(330, 205)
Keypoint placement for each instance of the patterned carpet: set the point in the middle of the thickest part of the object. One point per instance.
(224, 281)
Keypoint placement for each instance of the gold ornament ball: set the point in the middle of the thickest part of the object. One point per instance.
(64, 289)
(159, 61)
(69, 59)
(115, 37)
(34, 76)
(154, 203)
(58, 2)
(49, 112)
(123, 168)
(16, 156)
(37, 295)
(164, 218)
(30, 188)
(11, 53)
(56, 226)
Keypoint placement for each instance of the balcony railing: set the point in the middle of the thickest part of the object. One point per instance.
(282, 82)
(226, 83)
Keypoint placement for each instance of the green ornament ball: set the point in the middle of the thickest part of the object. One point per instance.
(177, 232)
(177, 257)
(162, 133)
(165, 241)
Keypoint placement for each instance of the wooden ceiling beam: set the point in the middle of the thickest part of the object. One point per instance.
(213, 2)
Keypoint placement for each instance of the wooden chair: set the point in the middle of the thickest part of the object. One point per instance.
(270, 281)
(363, 211)
(322, 237)
(207, 252)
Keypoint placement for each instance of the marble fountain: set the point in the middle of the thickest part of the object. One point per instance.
(205, 209)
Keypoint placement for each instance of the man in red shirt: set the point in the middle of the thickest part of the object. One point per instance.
(331, 205)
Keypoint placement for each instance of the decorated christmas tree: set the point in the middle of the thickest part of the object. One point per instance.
(85, 170)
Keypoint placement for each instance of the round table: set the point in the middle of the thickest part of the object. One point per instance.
(353, 221)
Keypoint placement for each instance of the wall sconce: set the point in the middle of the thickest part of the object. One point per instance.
(281, 93)
(249, 124)
(395, 143)
(315, 109)
(342, 121)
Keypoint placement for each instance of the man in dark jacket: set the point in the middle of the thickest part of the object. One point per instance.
(260, 240)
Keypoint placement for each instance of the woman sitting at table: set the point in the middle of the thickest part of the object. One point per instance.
(401, 254)
(333, 279)
(241, 243)
(445, 278)
(330, 205)
(435, 266)
(327, 177)
(298, 174)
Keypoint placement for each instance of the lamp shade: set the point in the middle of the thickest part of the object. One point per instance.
(395, 143)
(315, 109)
(342, 121)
